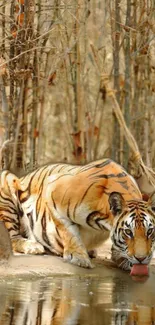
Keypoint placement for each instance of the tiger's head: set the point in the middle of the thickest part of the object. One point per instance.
(133, 232)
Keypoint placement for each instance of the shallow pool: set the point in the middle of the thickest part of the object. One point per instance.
(77, 300)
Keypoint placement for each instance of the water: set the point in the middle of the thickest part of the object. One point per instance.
(68, 300)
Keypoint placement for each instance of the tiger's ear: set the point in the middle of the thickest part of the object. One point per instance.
(151, 201)
(117, 203)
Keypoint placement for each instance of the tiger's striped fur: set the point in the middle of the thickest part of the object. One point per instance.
(70, 210)
(12, 214)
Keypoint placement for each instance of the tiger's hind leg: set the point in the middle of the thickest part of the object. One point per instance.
(20, 244)
(74, 249)
(26, 246)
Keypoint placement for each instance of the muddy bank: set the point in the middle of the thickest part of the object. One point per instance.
(51, 265)
(46, 265)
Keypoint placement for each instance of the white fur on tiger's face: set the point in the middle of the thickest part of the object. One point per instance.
(67, 209)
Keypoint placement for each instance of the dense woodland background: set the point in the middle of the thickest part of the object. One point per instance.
(60, 61)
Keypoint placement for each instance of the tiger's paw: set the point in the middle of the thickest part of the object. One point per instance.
(121, 261)
(33, 248)
(77, 259)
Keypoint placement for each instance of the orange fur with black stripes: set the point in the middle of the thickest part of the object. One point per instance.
(70, 210)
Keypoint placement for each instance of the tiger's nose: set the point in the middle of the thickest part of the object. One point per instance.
(140, 259)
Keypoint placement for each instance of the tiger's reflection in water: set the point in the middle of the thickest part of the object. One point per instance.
(72, 301)
(52, 302)
(37, 302)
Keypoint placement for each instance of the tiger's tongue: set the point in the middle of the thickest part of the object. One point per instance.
(140, 269)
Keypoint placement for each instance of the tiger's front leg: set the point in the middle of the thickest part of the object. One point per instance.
(74, 249)
(121, 261)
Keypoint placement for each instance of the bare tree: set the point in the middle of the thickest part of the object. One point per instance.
(55, 60)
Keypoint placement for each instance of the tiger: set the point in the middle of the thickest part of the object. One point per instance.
(71, 210)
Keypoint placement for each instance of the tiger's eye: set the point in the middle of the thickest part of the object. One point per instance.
(150, 232)
(153, 209)
(128, 232)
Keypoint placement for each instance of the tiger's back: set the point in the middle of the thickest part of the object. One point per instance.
(106, 169)
(83, 197)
